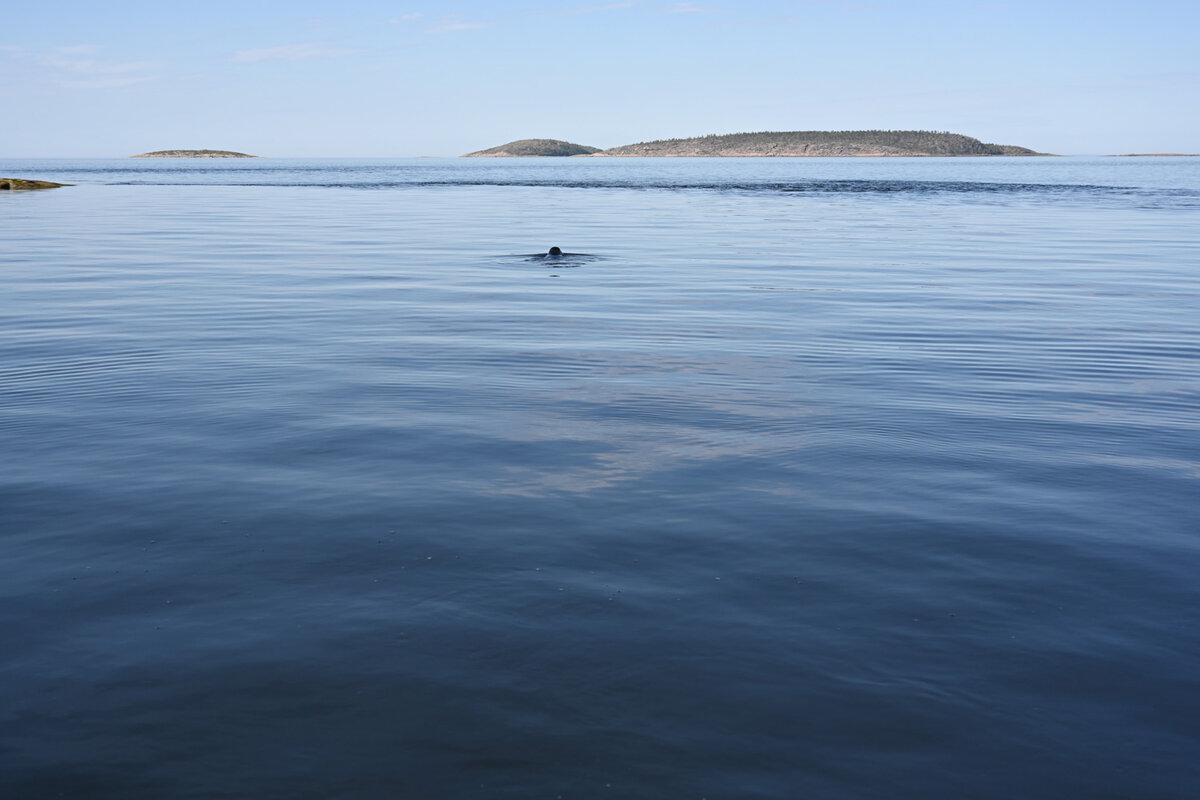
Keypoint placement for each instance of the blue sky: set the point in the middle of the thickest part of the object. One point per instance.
(91, 79)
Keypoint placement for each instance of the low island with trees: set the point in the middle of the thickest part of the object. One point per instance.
(781, 143)
(523, 148)
(193, 154)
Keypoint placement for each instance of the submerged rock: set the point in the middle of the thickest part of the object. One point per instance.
(23, 183)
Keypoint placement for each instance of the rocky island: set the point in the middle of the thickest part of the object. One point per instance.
(791, 143)
(523, 148)
(19, 184)
(193, 154)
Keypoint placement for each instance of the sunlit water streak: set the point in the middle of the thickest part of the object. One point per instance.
(885, 487)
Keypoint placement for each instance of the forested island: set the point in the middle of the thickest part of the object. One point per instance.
(523, 148)
(784, 143)
(193, 154)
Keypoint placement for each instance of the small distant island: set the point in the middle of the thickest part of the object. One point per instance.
(193, 154)
(523, 148)
(780, 143)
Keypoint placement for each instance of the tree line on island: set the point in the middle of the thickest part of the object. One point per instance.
(775, 143)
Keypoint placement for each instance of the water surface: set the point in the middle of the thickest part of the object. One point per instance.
(862, 478)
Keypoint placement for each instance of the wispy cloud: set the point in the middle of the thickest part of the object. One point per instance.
(290, 52)
(92, 67)
(687, 8)
(452, 23)
(604, 7)
(64, 67)
(77, 50)
(411, 17)
(845, 5)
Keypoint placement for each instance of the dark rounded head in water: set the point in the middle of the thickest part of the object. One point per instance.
(556, 254)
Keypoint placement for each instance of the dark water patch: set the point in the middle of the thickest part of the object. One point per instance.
(815, 187)
(990, 180)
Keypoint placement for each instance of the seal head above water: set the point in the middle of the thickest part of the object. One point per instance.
(558, 254)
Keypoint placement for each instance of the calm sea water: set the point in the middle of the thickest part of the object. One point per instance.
(817, 478)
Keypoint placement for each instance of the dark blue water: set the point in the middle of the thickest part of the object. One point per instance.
(865, 478)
